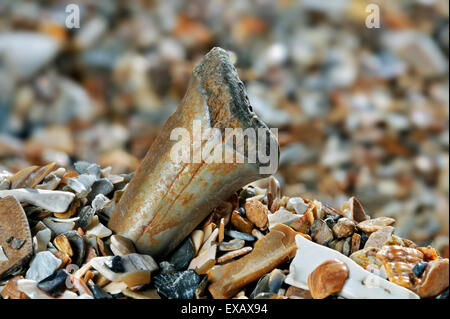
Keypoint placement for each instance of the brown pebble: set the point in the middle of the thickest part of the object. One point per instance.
(62, 244)
(372, 225)
(435, 279)
(356, 243)
(11, 292)
(344, 227)
(242, 224)
(257, 213)
(297, 293)
(327, 279)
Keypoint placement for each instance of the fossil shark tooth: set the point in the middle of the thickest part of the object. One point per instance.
(166, 199)
(360, 283)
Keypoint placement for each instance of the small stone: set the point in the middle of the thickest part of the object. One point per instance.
(43, 265)
(11, 291)
(332, 220)
(419, 268)
(197, 239)
(233, 254)
(344, 228)
(282, 216)
(58, 228)
(353, 210)
(239, 235)
(205, 260)
(17, 243)
(62, 244)
(379, 238)
(41, 239)
(346, 248)
(3, 257)
(101, 186)
(86, 215)
(97, 229)
(240, 223)
(372, 225)
(99, 293)
(256, 213)
(366, 257)
(78, 246)
(297, 204)
(233, 244)
(99, 202)
(115, 264)
(121, 246)
(55, 284)
(328, 278)
(183, 255)
(356, 243)
(435, 279)
(297, 293)
(321, 233)
(179, 285)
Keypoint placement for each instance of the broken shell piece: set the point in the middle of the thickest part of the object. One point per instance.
(372, 225)
(11, 291)
(353, 210)
(41, 239)
(327, 278)
(164, 201)
(121, 246)
(379, 238)
(197, 239)
(54, 201)
(257, 213)
(233, 244)
(360, 283)
(297, 204)
(355, 243)
(43, 265)
(62, 244)
(321, 233)
(97, 229)
(13, 224)
(257, 233)
(282, 216)
(234, 254)
(204, 261)
(269, 252)
(29, 287)
(137, 268)
(366, 257)
(58, 228)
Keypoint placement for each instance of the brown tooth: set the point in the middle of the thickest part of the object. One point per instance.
(269, 252)
(37, 176)
(165, 201)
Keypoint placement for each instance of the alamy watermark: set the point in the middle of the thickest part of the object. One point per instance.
(373, 18)
(236, 145)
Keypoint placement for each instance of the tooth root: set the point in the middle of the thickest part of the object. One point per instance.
(165, 201)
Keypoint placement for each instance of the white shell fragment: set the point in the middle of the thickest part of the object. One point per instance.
(360, 283)
(297, 204)
(29, 287)
(54, 201)
(98, 229)
(41, 240)
(282, 216)
(43, 265)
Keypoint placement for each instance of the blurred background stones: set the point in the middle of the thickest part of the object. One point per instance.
(360, 111)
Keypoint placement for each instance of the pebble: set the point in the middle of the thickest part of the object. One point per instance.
(99, 293)
(54, 201)
(97, 229)
(55, 284)
(347, 246)
(379, 238)
(356, 243)
(239, 235)
(62, 244)
(178, 285)
(310, 255)
(353, 210)
(43, 265)
(257, 213)
(282, 216)
(205, 260)
(10, 291)
(297, 204)
(102, 186)
(321, 233)
(419, 268)
(234, 254)
(183, 255)
(435, 279)
(327, 278)
(233, 244)
(297, 293)
(29, 287)
(78, 246)
(58, 228)
(344, 227)
(41, 239)
(121, 246)
(372, 225)
(242, 224)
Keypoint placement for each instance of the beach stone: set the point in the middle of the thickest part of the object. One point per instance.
(297, 293)
(43, 265)
(55, 284)
(102, 186)
(344, 227)
(183, 255)
(240, 223)
(379, 238)
(239, 235)
(78, 246)
(297, 204)
(321, 233)
(346, 248)
(372, 225)
(356, 243)
(328, 278)
(257, 213)
(435, 279)
(121, 246)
